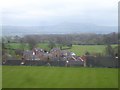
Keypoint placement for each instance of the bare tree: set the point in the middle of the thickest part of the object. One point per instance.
(51, 44)
(31, 41)
(109, 50)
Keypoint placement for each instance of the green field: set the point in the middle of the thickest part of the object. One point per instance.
(78, 49)
(58, 77)
(82, 49)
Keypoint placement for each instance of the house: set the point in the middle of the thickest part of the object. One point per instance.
(27, 55)
(55, 52)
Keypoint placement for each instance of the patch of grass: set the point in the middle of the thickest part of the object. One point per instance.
(43, 46)
(82, 49)
(0, 76)
(58, 77)
(17, 46)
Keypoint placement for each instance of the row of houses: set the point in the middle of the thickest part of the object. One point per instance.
(56, 56)
(53, 54)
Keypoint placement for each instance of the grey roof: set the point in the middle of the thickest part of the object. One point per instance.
(55, 49)
(27, 52)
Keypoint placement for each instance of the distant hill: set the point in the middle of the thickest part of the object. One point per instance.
(64, 28)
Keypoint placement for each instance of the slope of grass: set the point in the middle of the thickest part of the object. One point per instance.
(17, 46)
(59, 77)
(82, 49)
(43, 46)
(78, 49)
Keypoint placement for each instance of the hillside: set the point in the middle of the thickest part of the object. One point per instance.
(64, 28)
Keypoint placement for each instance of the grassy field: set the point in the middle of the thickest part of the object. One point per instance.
(78, 49)
(59, 77)
(82, 49)
(0, 76)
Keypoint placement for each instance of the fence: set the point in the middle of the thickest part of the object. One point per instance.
(34, 63)
(106, 61)
(90, 62)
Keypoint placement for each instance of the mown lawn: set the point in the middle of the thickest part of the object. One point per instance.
(58, 77)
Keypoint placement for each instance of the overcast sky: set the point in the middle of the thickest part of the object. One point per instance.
(45, 12)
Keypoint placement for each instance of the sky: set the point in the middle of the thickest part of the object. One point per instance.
(51, 12)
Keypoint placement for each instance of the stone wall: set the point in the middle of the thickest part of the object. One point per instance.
(91, 61)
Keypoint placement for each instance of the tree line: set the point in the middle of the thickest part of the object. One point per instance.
(66, 39)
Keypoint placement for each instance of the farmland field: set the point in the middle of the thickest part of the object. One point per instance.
(77, 49)
(58, 77)
(82, 49)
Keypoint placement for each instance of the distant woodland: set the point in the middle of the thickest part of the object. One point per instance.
(66, 39)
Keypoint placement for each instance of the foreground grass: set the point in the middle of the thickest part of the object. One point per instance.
(59, 77)
(0, 76)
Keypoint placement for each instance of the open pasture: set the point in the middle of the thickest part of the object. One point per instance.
(77, 49)
(58, 77)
